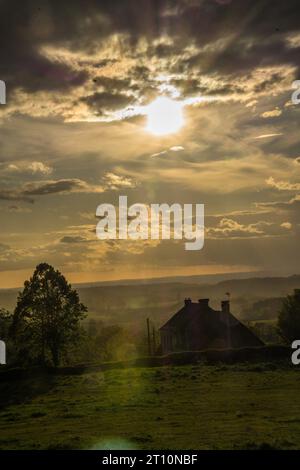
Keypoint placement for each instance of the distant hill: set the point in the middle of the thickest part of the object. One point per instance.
(258, 287)
(200, 278)
(266, 309)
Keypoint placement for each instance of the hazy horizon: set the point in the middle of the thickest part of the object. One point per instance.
(204, 278)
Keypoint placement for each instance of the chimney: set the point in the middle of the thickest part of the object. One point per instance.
(203, 302)
(187, 301)
(225, 306)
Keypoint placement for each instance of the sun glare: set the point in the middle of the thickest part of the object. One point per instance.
(164, 116)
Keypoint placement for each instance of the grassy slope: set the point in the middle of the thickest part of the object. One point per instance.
(187, 407)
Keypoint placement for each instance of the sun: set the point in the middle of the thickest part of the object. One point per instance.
(164, 116)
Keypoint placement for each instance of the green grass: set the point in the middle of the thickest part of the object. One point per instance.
(187, 407)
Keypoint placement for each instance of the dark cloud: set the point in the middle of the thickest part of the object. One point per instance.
(268, 83)
(73, 239)
(26, 27)
(49, 187)
(244, 56)
(13, 195)
(112, 84)
(52, 187)
(106, 101)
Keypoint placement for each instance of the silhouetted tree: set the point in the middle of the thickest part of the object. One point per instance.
(47, 314)
(289, 317)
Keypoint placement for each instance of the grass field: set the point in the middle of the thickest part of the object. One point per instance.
(187, 407)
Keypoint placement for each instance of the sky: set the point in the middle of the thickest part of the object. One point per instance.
(81, 81)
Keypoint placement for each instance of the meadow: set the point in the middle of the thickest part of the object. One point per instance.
(201, 406)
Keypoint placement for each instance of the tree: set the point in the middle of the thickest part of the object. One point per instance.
(289, 317)
(48, 313)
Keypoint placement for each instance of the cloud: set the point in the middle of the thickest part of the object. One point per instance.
(110, 181)
(286, 225)
(158, 154)
(291, 206)
(174, 148)
(114, 181)
(103, 103)
(229, 228)
(29, 167)
(274, 113)
(267, 136)
(283, 185)
(59, 186)
(63, 186)
(39, 167)
(113, 56)
(73, 239)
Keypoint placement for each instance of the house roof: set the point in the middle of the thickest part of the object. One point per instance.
(198, 316)
(187, 313)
